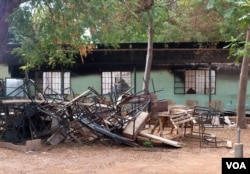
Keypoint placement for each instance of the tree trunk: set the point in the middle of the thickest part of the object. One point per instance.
(149, 57)
(6, 7)
(241, 113)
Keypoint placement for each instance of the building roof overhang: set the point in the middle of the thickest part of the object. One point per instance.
(168, 54)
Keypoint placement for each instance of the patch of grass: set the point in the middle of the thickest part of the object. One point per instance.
(148, 143)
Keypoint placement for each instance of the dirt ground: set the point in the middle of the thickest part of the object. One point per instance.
(73, 158)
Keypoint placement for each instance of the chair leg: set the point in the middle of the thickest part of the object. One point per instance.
(206, 138)
(155, 126)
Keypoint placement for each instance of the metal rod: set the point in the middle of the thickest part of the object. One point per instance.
(238, 135)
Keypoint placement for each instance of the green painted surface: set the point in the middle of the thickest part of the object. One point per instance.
(4, 71)
(162, 81)
(80, 84)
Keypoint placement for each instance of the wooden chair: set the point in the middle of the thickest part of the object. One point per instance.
(181, 121)
(162, 119)
(176, 117)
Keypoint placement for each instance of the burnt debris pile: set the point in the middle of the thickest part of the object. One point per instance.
(85, 118)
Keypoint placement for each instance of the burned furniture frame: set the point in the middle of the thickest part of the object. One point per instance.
(20, 119)
(49, 116)
(211, 115)
(204, 119)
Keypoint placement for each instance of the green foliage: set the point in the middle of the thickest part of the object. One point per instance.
(236, 48)
(236, 14)
(191, 21)
(53, 31)
(148, 143)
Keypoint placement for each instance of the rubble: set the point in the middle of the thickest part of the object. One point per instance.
(90, 117)
(86, 118)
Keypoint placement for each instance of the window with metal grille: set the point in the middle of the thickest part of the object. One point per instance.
(53, 82)
(116, 81)
(14, 87)
(194, 81)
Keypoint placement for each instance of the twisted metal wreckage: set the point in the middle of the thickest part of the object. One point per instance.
(85, 118)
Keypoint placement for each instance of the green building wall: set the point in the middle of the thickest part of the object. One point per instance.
(79, 84)
(162, 82)
(4, 72)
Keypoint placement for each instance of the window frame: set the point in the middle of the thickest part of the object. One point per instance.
(110, 78)
(54, 82)
(13, 87)
(196, 80)
(2, 88)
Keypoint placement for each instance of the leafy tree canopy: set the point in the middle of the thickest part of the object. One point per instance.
(236, 15)
(55, 31)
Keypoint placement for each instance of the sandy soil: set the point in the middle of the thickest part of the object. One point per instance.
(73, 158)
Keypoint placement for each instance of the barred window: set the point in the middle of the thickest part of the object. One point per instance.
(116, 81)
(195, 82)
(52, 82)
